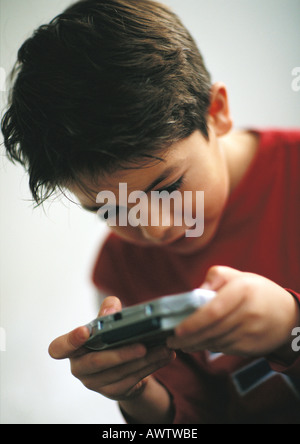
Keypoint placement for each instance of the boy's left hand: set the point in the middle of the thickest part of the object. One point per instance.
(250, 316)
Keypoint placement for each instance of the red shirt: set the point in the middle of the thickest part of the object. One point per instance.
(259, 233)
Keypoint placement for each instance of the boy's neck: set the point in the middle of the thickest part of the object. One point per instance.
(239, 148)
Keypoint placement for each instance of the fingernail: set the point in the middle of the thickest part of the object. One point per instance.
(169, 355)
(83, 333)
(108, 311)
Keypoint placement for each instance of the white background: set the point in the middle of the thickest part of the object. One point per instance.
(46, 256)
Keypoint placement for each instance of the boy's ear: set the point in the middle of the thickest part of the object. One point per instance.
(219, 116)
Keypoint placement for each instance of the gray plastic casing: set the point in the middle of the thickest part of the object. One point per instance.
(149, 323)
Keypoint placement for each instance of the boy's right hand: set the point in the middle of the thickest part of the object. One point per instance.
(118, 374)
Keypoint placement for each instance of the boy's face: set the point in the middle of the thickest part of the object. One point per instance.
(193, 164)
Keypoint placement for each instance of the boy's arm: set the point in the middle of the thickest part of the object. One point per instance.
(153, 406)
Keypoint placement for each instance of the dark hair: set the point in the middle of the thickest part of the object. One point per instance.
(104, 83)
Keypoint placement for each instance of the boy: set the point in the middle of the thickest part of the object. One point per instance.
(116, 92)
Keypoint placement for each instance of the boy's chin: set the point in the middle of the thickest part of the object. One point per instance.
(189, 245)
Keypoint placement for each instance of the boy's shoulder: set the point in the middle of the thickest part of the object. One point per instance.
(280, 149)
(276, 150)
(279, 137)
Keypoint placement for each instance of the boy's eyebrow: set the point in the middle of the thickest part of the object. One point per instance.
(92, 209)
(152, 185)
(163, 176)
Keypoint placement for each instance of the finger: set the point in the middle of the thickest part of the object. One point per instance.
(228, 344)
(151, 360)
(126, 385)
(64, 346)
(120, 389)
(110, 305)
(217, 276)
(205, 342)
(96, 362)
(227, 301)
(116, 364)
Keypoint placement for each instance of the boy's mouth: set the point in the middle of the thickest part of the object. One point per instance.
(178, 240)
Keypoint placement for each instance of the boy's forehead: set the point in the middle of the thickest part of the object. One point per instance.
(140, 177)
(141, 171)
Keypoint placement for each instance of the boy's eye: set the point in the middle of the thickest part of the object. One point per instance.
(174, 186)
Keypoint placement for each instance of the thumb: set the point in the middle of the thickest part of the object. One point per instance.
(217, 276)
(110, 305)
